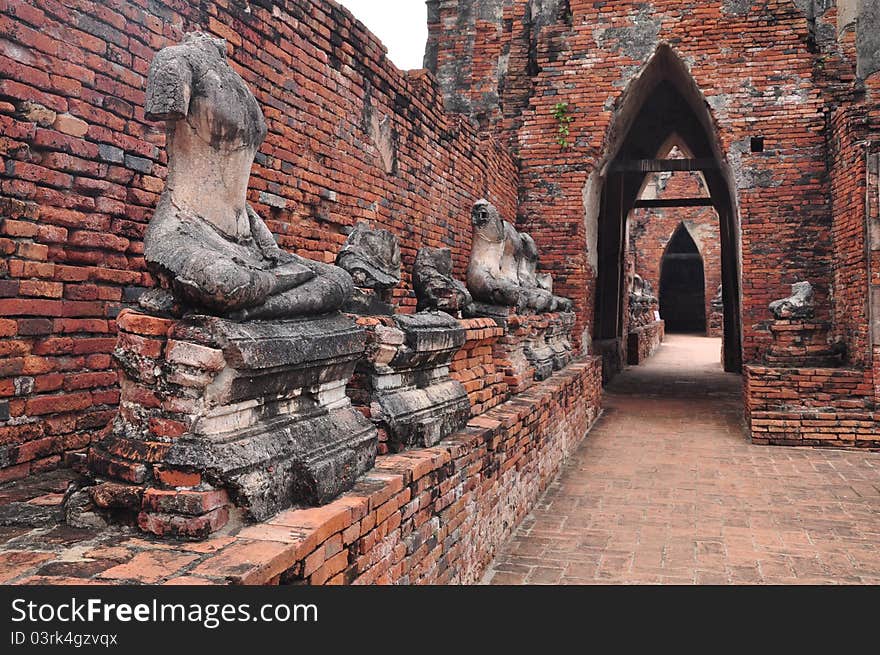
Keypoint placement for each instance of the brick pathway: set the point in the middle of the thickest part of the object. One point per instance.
(667, 489)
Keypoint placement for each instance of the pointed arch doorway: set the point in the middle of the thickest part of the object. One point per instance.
(683, 285)
(664, 102)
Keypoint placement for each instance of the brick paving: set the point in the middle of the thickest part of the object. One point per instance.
(668, 489)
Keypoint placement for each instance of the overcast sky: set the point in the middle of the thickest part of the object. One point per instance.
(402, 25)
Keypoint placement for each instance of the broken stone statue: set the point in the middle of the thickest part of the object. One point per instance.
(493, 271)
(537, 297)
(539, 286)
(257, 355)
(204, 241)
(436, 289)
(503, 280)
(717, 302)
(502, 273)
(799, 305)
(642, 302)
(404, 378)
(372, 258)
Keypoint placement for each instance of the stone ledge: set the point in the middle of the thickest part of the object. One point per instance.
(644, 341)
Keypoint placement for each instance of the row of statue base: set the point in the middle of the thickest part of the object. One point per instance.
(265, 415)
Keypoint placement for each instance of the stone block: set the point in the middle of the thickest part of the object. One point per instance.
(267, 420)
(407, 379)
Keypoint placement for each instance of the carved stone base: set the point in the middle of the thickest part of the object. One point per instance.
(536, 349)
(540, 356)
(559, 339)
(499, 313)
(405, 383)
(213, 410)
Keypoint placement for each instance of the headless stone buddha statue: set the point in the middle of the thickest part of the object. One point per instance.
(493, 271)
(205, 243)
(436, 289)
(545, 281)
(798, 306)
(371, 257)
(504, 264)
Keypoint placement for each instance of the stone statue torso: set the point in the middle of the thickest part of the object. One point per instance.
(204, 241)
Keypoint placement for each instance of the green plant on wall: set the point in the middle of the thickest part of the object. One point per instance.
(560, 113)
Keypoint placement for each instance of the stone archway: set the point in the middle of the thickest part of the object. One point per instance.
(664, 102)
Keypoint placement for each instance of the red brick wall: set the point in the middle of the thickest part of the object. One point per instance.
(849, 190)
(651, 230)
(476, 367)
(811, 407)
(81, 170)
(872, 85)
(782, 193)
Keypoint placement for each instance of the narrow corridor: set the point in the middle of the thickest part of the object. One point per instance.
(666, 488)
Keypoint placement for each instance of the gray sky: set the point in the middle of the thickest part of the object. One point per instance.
(402, 25)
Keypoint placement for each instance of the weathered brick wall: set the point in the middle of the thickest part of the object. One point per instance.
(872, 86)
(760, 73)
(811, 407)
(849, 189)
(652, 229)
(644, 341)
(476, 368)
(485, 53)
(350, 138)
(782, 194)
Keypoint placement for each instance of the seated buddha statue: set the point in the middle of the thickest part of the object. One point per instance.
(503, 268)
(204, 242)
(493, 271)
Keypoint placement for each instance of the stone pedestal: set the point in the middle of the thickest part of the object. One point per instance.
(404, 383)
(537, 351)
(498, 313)
(559, 339)
(214, 412)
(802, 343)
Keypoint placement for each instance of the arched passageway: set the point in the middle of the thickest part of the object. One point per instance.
(683, 285)
(663, 103)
